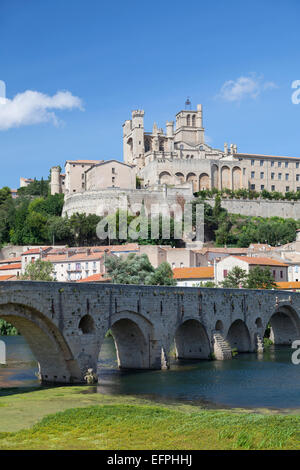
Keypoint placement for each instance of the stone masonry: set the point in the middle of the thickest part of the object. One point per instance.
(65, 324)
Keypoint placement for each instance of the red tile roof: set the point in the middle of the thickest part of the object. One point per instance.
(203, 272)
(36, 251)
(96, 278)
(10, 260)
(288, 285)
(6, 278)
(10, 266)
(261, 261)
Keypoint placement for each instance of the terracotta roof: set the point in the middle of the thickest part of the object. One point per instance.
(194, 273)
(261, 261)
(36, 251)
(63, 258)
(6, 278)
(10, 260)
(96, 278)
(288, 285)
(221, 250)
(10, 266)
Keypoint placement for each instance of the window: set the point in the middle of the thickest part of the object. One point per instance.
(281, 274)
(69, 266)
(244, 171)
(297, 177)
(279, 176)
(286, 177)
(262, 175)
(94, 264)
(78, 266)
(252, 162)
(262, 186)
(298, 188)
(113, 170)
(297, 165)
(252, 174)
(225, 272)
(252, 187)
(272, 163)
(272, 176)
(262, 163)
(279, 164)
(274, 273)
(287, 188)
(86, 265)
(82, 176)
(273, 188)
(286, 164)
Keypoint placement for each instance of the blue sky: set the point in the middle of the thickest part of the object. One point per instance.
(237, 58)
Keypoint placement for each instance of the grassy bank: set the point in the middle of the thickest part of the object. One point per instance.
(93, 421)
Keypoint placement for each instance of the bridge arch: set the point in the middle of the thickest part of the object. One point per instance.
(238, 336)
(55, 359)
(191, 341)
(285, 325)
(133, 334)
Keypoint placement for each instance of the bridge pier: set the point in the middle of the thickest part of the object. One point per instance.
(65, 323)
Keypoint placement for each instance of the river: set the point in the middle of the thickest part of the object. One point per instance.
(247, 381)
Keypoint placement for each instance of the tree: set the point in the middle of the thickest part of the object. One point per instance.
(162, 276)
(38, 271)
(137, 269)
(235, 278)
(260, 278)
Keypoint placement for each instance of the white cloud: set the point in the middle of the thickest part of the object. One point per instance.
(244, 87)
(33, 107)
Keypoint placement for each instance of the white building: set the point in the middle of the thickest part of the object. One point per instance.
(193, 277)
(278, 268)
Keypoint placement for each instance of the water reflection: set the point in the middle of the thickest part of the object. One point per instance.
(248, 380)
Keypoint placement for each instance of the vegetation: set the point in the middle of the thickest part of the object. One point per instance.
(126, 422)
(6, 329)
(38, 271)
(249, 194)
(138, 270)
(257, 278)
(238, 230)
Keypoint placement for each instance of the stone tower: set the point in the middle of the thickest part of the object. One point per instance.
(55, 180)
(189, 126)
(133, 139)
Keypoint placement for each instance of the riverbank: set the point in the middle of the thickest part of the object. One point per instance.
(73, 418)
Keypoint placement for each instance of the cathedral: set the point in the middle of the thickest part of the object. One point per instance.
(180, 155)
(177, 158)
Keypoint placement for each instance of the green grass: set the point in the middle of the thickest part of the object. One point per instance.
(114, 422)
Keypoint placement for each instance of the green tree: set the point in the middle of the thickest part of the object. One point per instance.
(137, 269)
(235, 278)
(260, 278)
(38, 271)
(162, 276)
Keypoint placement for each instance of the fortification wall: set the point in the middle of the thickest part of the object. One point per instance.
(109, 200)
(261, 207)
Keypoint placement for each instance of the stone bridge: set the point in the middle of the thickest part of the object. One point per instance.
(65, 323)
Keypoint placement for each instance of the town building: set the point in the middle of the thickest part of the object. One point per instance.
(193, 277)
(278, 268)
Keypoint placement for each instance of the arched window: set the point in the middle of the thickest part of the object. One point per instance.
(188, 120)
(193, 120)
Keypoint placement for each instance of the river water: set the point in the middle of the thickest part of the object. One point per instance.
(247, 381)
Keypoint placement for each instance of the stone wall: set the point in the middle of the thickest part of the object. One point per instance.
(65, 323)
(109, 200)
(261, 207)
